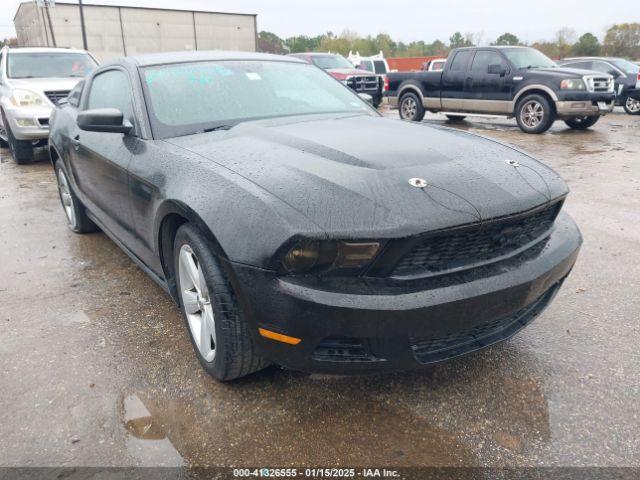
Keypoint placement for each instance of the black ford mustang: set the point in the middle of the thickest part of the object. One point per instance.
(295, 225)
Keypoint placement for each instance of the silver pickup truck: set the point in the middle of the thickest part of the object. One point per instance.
(32, 82)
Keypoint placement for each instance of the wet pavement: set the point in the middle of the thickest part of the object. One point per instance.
(96, 368)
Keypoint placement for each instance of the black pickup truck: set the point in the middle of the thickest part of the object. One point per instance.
(518, 82)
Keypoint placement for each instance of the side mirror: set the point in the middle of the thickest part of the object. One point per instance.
(497, 69)
(366, 97)
(103, 120)
(614, 73)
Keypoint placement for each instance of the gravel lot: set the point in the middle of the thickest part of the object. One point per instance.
(97, 369)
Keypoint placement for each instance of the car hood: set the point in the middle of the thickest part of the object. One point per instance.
(350, 175)
(45, 84)
(566, 72)
(350, 71)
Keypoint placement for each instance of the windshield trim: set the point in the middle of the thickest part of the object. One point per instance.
(160, 130)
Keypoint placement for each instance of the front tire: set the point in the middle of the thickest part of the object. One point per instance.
(581, 123)
(216, 325)
(74, 210)
(411, 108)
(21, 150)
(534, 114)
(631, 106)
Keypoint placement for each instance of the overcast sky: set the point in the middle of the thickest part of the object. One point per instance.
(404, 20)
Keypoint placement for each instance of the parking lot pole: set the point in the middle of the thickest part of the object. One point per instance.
(82, 27)
(53, 36)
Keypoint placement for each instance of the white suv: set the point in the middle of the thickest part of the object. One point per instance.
(32, 82)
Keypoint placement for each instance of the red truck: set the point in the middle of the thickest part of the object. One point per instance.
(361, 81)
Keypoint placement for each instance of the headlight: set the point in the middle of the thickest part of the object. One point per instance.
(311, 255)
(26, 98)
(572, 84)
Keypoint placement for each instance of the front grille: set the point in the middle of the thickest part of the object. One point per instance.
(57, 97)
(436, 349)
(599, 84)
(364, 83)
(343, 350)
(473, 246)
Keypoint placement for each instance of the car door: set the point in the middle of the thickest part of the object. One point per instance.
(488, 84)
(453, 79)
(100, 159)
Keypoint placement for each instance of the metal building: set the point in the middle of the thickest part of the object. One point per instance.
(115, 31)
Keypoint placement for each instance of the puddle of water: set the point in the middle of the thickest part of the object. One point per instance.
(146, 440)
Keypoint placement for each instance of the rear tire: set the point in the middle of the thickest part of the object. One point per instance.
(581, 123)
(534, 114)
(411, 108)
(456, 118)
(631, 106)
(74, 210)
(21, 150)
(226, 351)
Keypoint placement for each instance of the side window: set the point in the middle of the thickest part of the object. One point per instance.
(111, 89)
(483, 59)
(380, 66)
(460, 61)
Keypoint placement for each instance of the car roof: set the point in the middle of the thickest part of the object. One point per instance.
(44, 50)
(495, 47)
(150, 59)
(316, 54)
(590, 58)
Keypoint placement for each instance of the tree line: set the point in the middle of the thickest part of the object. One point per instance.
(622, 40)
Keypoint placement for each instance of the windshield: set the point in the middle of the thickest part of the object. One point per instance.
(330, 61)
(191, 98)
(528, 58)
(49, 65)
(626, 66)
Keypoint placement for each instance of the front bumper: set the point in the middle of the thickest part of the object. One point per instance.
(364, 325)
(585, 104)
(28, 123)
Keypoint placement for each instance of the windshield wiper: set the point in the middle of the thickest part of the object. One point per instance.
(218, 127)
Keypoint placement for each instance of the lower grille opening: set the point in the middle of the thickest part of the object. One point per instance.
(436, 349)
(345, 350)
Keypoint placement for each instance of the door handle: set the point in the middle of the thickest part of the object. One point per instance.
(76, 142)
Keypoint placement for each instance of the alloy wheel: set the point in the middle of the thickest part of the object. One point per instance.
(197, 303)
(66, 198)
(409, 108)
(532, 114)
(633, 105)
